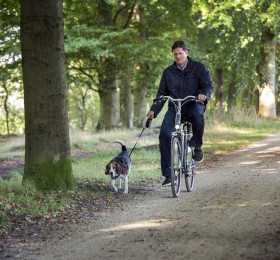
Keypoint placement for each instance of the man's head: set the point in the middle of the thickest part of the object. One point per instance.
(180, 44)
(180, 52)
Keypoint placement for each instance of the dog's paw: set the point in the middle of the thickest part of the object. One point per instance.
(125, 192)
(115, 189)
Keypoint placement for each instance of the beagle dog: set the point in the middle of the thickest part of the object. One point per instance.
(119, 167)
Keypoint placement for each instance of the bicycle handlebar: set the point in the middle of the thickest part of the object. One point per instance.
(186, 99)
(173, 100)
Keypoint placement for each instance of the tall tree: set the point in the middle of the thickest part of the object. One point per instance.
(98, 43)
(245, 34)
(108, 92)
(266, 69)
(47, 147)
(219, 97)
(125, 100)
(10, 61)
(140, 91)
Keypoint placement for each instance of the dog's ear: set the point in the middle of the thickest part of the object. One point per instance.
(107, 169)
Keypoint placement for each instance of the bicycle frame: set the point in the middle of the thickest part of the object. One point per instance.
(182, 136)
(180, 129)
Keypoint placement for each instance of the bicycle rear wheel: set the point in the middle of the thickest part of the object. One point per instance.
(176, 166)
(190, 170)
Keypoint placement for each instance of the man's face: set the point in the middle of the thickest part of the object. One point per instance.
(180, 56)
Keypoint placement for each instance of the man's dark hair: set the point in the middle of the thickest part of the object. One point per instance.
(180, 44)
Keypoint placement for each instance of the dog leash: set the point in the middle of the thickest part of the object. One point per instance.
(147, 125)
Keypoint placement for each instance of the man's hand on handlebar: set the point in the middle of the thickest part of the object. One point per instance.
(201, 97)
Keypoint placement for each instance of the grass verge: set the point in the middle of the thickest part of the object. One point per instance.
(224, 132)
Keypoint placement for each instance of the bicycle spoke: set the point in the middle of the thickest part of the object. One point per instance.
(176, 165)
(190, 171)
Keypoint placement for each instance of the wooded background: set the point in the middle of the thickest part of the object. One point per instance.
(115, 52)
(96, 65)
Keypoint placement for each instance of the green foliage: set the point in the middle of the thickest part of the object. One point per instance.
(10, 72)
(222, 34)
(230, 31)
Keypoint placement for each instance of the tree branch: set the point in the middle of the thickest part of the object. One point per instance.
(130, 15)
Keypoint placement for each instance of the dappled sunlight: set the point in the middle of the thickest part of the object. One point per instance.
(265, 156)
(249, 162)
(254, 203)
(147, 167)
(270, 150)
(140, 224)
(257, 145)
(268, 170)
(223, 129)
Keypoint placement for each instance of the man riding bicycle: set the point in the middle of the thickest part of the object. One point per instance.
(183, 78)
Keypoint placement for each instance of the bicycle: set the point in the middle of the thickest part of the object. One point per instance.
(182, 162)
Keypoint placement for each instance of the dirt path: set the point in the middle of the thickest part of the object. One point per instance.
(233, 213)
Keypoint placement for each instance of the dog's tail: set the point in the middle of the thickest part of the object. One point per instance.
(121, 143)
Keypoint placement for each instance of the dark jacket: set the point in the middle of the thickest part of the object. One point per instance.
(193, 80)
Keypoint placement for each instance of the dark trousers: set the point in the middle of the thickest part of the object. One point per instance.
(194, 113)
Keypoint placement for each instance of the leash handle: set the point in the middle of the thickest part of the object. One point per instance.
(148, 123)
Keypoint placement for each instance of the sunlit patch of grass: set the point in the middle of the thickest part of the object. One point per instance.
(145, 164)
(230, 134)
(101, 140)
(11, 147)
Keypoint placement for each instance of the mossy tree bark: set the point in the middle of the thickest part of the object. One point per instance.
(47, 146)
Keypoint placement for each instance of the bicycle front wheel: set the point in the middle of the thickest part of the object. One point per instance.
(176, 165)
(190, 170)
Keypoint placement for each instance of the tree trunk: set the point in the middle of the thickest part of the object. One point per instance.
(231, 100)
(278, 96)
(140, 91)
(47, 146)
(6, 108)
(219, 97)
(278, 81)
(109, 104)
(140, 103)
(125, 101)
(248, 96)
(108, 91)
(266, 72)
